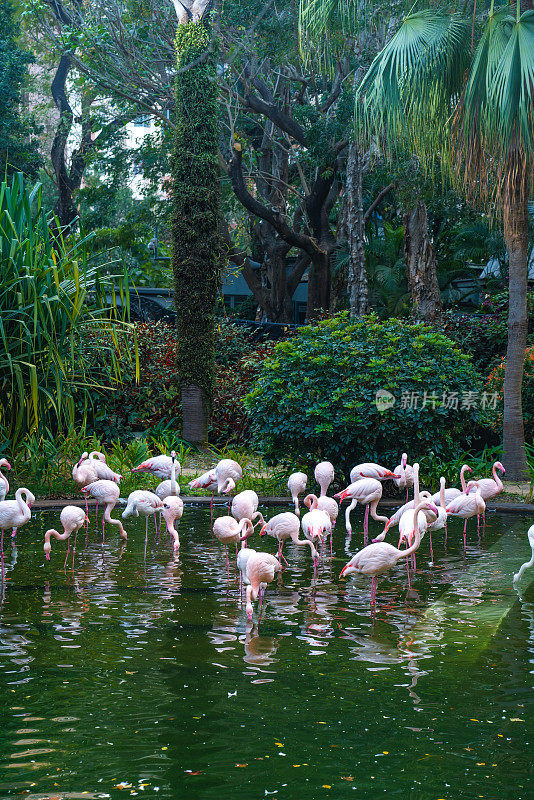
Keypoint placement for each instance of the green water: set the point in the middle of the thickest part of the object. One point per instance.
(132, 675)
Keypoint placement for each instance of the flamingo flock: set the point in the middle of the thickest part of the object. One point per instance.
(426, 513)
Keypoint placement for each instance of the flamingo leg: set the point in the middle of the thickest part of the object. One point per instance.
(431, 551)
(227, 563)
(465, 528)
(211, 508)
(408, 573)
(66, 557)
(407, 493)
(74, 548)
(14, 533)
(374, 584)
(366, 524)
(103, 528)
(2, 554)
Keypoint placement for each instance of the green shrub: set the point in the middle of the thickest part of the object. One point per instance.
(481, 336)
(495, 385)
(316, 395)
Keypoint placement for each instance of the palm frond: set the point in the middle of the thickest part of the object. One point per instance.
(407, 95)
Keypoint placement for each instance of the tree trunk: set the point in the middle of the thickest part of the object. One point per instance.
(357, 284)
(194, 414)
(516, 236)
(421, 266)
(318, 285)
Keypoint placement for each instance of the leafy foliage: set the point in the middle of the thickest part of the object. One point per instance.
(17, 152)
(481, 336)
(496, 383)
(197, 246)
(46, 285)
(315, 396)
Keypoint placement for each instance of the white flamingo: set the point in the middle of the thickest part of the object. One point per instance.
(530, 563)
(296, 484)
(489, 487)
(206, 481)
(228, 531)
(72, 519)
(257, 570)
(144, 503)
(14, 514)
(245, 504)
(403, 475)
(452, 492)
(160, 466)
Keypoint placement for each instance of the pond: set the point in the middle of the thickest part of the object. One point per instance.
(136, 674)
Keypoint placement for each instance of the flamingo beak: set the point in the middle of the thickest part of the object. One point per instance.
(343, 570)
(8, 465)
(87, 519)
(389, 474)
(263, 530)
(341, 495)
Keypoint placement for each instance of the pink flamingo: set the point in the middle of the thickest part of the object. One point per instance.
(72, 518)
(440, 523)
(452, 492)
(173, 508)
(403, 474)
(227, 473)
(169, 487)
(367, 491)
(316, 526)
(297, 485)
(144, 503)
(104, 473)
(245, 504)
(257, 570)
(489, 487)
(14, 514)
(323, 503)
(228, 531)
(160, 466)
(84, 473)
(206, 481)
(379, 557)
(106, 492)
(370, 470)
(324, 475)
(4, 485)
(466, 506)
(283, 527)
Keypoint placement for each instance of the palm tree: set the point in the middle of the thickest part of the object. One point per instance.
(482, 129)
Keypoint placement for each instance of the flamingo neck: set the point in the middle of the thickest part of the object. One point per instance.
(416, 496)
(442, 493)
(497, 478)
(462, 478)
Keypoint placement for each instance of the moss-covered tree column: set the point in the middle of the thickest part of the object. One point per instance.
(197, 246)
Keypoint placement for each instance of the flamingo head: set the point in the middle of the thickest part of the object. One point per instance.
(348, 569)
(388, 474)
(5, 463)
(341, 495)
(84, 456)
(87, 519)
(194, 484)
(500, 467)
(263, 529)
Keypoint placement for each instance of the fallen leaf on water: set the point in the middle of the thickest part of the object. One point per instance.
(241, 765)
(196, 772)
(516, 719)
(326, 786)
(347, 778)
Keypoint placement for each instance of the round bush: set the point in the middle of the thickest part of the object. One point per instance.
(495, 385)
(316, 395)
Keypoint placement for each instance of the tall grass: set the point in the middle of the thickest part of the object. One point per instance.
(51, 298)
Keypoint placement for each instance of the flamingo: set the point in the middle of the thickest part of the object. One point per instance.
(206, 481)
(367, 491)
(169, 487)
(440, 522)
(379, 557)
(403, 474)
(452, 492)
(527, 564)
(467, 506)
(370, 470)
(14, 514)
(316, 524)
(245, 504)
(286, 526)
(323, 503)
(105, 492)
(297, 485)
(173, 508)
(84, 474)
(145, 503)
(324, 475)
(72, 518)
(257, 570)
(160, 466)
(489, 487)
(104, 473)
(228, 531)
(395, 519)
(227, 473)
(4, 485)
